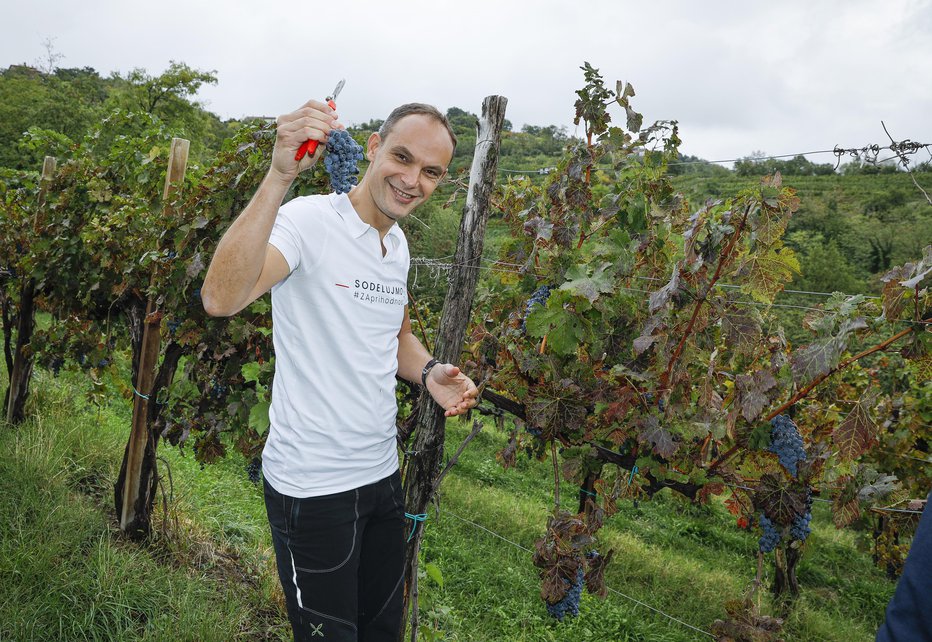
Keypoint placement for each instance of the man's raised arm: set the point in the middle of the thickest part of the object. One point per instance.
(244, 265)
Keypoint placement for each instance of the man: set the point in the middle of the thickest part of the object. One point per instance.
(337, 266)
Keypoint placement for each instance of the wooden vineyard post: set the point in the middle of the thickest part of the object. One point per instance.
(420, 479)
(23, 360)
(135, 488)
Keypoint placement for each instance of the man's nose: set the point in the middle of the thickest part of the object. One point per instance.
(409, 176)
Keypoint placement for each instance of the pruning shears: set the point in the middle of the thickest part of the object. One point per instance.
(310, 146)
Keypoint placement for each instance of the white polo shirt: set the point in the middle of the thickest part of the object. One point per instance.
(335, 323)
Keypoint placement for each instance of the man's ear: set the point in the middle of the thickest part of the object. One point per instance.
(372, 145)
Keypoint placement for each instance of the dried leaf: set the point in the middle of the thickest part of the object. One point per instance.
(753, 392)
(855, 434)
(781, 501)
(657, 436)
(845, 512)
(659, 298)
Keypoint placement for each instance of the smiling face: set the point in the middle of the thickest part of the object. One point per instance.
(405, 169)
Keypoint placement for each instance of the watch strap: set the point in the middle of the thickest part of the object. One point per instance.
(426, 370)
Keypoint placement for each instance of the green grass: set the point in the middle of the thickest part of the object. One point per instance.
(67, 572)
(208, 572)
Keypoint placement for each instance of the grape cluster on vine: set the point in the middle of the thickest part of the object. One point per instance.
(800, 528)
(218, 390)
(539, 297)
(254, 470)
(343, 154)
(786, 443)
(770, 537)
(569, 605)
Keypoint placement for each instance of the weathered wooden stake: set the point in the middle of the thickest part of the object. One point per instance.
(134, 492)
(21, 372)
(429, 434)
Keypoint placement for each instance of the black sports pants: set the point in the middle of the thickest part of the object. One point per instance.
(341, 561)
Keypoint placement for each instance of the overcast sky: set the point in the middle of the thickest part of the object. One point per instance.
(739, 76)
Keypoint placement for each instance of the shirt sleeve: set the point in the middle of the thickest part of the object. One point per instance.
(296, 233)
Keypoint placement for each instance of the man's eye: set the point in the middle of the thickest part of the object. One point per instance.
(402, 158)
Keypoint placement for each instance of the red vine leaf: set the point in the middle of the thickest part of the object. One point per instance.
(845, 512)
(855, 434)
(779, 499)
(595, 575)
(894, 294)
(738, 504)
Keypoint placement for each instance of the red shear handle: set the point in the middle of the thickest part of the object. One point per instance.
(310, 146)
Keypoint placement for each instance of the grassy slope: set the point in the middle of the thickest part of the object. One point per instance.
(68, 575)
(210, 575)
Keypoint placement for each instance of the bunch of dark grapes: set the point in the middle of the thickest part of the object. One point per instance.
(569, 605)
(343, 154)
(173, 325)
(539, 297)
(771, 536)
(254, 470)
(218, 390)
(786, 443)
(800, 528)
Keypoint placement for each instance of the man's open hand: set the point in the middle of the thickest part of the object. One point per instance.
(451, 389)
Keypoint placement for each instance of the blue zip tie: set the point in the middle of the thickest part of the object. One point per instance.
(588, 492)
(631, 476)
(417, 518)
(139, 394)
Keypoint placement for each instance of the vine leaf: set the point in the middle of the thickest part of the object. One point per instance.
(647, 338)
(196, 266)
(259, 416)
(846, 508)
(557, 410)
(816, 359)
(856, 433)
(657, 436)
(753, 390)
(764, 273)
(742, 331)
(779, 500)
(659, 298)
(921, 270)
(894, 294)
(595, 575)
(845, 512)
(819, 357)
(539, 228)
(563, 329)
(579, 281)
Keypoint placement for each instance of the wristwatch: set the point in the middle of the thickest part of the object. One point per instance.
(426, 371)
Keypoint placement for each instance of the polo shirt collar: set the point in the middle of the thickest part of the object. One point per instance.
(356, 226)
